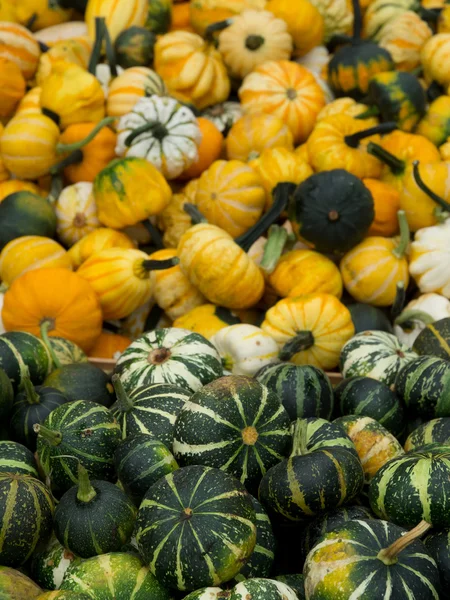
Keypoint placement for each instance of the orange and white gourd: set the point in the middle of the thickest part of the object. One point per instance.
(76, 213)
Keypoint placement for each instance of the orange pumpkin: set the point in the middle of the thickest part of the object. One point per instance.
(108, 345)
(62, 300)
(386, 200)
(209, 150)
(181, 18)
(251, 134)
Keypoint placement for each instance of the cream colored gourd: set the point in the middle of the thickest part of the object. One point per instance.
(430, 258)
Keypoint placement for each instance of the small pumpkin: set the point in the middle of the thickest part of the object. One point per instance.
(254, 133)
(76, 51)
(380, 13)
(207, 320)
(134, 47)
(174, 220)
(304, 23)
(76, 213)
(43, 14)
(129, 87)
(386, 201)
(18, 45)
(159, 16)
(204, 13)
(209, 150)
(430, 252)
(434, 339)
(117, 17)
(403, 37)
(345, 106)
(100, 238)
(419, 313)
(436, 123)
(435, 431)
(12, 87)
(434, 57)
(109, 345)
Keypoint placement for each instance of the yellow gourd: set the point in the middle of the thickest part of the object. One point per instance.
(207, 320)
(304, 22)
(174, 220)
(43, 13)
(98, 239)
(131, 85)
(30, 103)
(76, 213)
(12, 87)
(435, 56)
(70, 51)
(118, 15)
(251, 134)
(20, 46)
(386, 201)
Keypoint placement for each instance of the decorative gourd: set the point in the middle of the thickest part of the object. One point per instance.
(179, 497)
(304, 23)
(76, 51)
(49, 564)
(62, 595)
(207, 320)
(62, 445)
(129, 190)
(17, 459)
(12, 87)
(209, 150)
(345, 106)
(42, 14)
(58, 298)
(304, 391)
(117, 17)
(6, 390)
(224, 115)
(255, 588)
(254, 37)
(30, 103)
(174, 220)
(76, 213)
(15, 583)
(171, 355)
(11, 186)
(285, 90)
(30, 252)
(129, 87)
(19, 46)
(436, 431)
(430, 252)
(380, 13)
(99, 239)
(310, 329)
(82, 380)
(134, 47)
(379, 557)
(63, 31)
(204, 13)
(65, 351)
(436, 123)
(322, 473)
(386, 200)
(367, 397)
(437, 544)
(434, 55)
(22, 355)
(204, 84)
(434, 339)
(403, 37)
(418, 313)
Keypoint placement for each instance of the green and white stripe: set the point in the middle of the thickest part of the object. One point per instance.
(50, 564)
(436, 431)
(67, 352)
(254, 589)
(16, 459)
(21, 353)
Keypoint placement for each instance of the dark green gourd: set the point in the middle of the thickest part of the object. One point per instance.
(23, 354)
(436, 431)
(82, 381)
(50, 563)
(6, 396)
(434, 340)
(261, 560)
(17, 459)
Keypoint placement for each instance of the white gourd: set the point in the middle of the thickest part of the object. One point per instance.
(430, 259)
(434, 306)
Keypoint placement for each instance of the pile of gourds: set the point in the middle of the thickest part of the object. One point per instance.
(235, 204)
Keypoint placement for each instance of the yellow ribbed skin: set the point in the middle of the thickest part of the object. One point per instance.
(47, 13)
(30, 103)
(435, 57)
(99, 239)
(76, 52)
(20, 46)
(304, 23)
(174, 220)
(131, 85)
(119, 15)
(206, 320)
(76, 213)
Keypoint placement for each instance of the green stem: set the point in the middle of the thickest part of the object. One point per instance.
(354, 139)
(154, 233)
(56, 187)
(153, 318)
(160, 265)
(85, 492)
(357, 20)
(300, 438)
(30, 392)
(159, 131)
(215, 27)
(430, 15)
(45, 325)
(372, 111)
(396, 165)
(110, 52)
(65, 148)
(273, 248)
(254, 42)
(73, 159)
(423, 186)
(123, 401)
(302, 341)
(389, 556)
(97, 49)
(400, 250)
(399, 301)
(194, 213)
(53, 438)
(414, 315)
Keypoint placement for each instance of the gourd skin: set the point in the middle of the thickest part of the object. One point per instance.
(430, 253)
(130, 86)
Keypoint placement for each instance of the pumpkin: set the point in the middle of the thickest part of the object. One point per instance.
(204, 85)
(286, 90)
(403, 37)
(117, 17)
(11, 186)
(386, 200)
(304, 23)
(129, 87)
(207, 320)
(129, 190)
(22, 355)
(19, 46)
(30, 103)
(55, 296)
(12, 87)
(434, 56)
(430, 252)
(204, 13)
(310, 329)
(156, 125)
(44, 15)
(418, 313)
(75, 51)
(82, 380)
(209, 150)
(437, 545)
(435, 431)
(434, 339)
(436, 123)
(17, 459)
(345, 106)
(134, 47)
(30, 252)
(109, 345)
(224, 115)
(76, 213)
(254, 37)
(380, 13)
(174, 220)
(253, 133)
(95, 241)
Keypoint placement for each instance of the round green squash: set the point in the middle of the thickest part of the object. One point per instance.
(24, 354)
(381, 561)
(82, 381)
(183, 521)
(66, 352)
(368, 397)
(17, 459)
(159, 16)
(413, 487)
(295, 582)
(6, 395)
(140, 461)
(134, 47)
(251, 589)
(170, 355)
(331, 210)
(26, 517)
(17, 586)
(438, 545)
(375, 354)
(304, 390)
(366, 317)
(436, 431)
(236, 424)
(261, 561)
(150, 409)
(434, 340)
(25, 213)
(424, 385)
(94, 517)
(50, 563)
(113, 576)
(63, 595)
(322, 473)
(80, 431)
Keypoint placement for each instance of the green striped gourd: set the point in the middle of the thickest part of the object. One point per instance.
(254, 589)
(196, 527)
(370, 398)
(304, 391)
(16, 459)
(235, 424)
(375, 354)
(82, 381)
(140, 461)
(113, 576)
(14, 584)
(62, 595)
(436, 431)
(414, 487)
(295, 582)
(434, 340)
(23, 354)
(171, 355)
(50, 563)
(424, 385)
(6, 395)
(66, 352)
(79, 431)
(322, 473)
(260, 562)
(150, 409)
(374, 444)
(438, 545)
(94, 517)
(26, 516)
(371, 560)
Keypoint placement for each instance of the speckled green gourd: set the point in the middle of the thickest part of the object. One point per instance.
(254, 589)
(6, 395)
(67, 352)
(438, 545)
(82, 381)
(434, 340)
(436, 431)
(62, 595)
(23, 354)
(17, 459)
(50, 563)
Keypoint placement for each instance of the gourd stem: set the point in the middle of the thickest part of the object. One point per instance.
(396, 165)
(273, 248)
(159, 131)
(31, 21)
(281, 196)
(354, 139)
(44, 334)
(97, 49)
(338, 40)
(389, 556)
(302, 341)
(214, 27)
(372, 111)
(30, 392)
(64, 148)
(254, 42)
(430, 15)
(56, 187)
(54, 438)
(357, 20)
(299, 438)
(399, 301)
(153, 317)
(154, 233)
(194, 213)
(110, 52)
(123, 401)
(85, 492)
(414, 315)
(160, 265)
(73, 159)
(400, 250)
(434, 91)
(423, 186)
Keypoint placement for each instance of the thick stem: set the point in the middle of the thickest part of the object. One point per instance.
(73, 159)
(389, 556)
(56, 187)
(64, 148)
(399, 301)
(414, 315)
(45, 326)
(160, 265)
(31, 21)
(403, 244)
(153, 318)
(53, 438)
(302, 341)
(396, 165)
(372, 111)
(357, 20)
(300, 438)
(423, 186)
(85, 492)
(354, 139)
(124, 402)
(30, 392)
(194, 213)
(215, 27)
(110, 52)
(97, 49)
(159, 131)
(430, 15)
(273, 248)
(154, 233)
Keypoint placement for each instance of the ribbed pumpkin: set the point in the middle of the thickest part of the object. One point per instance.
(380, 13)
(20, 46)
(346, 106)
(386, 201)
(12, 87)
(204, 13)
(192, 69)
(286, 90)
(131, 85)
(403, 37)
(76, 51)
(76, 213)
(58, 297)
(434, 56)
(254, 133)
(304, 23)
(436, 123)
(30, 103)
(118, 16)
(31, 252)
(98, 239)
(310, 329)
(45, 14)
(429, 258)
